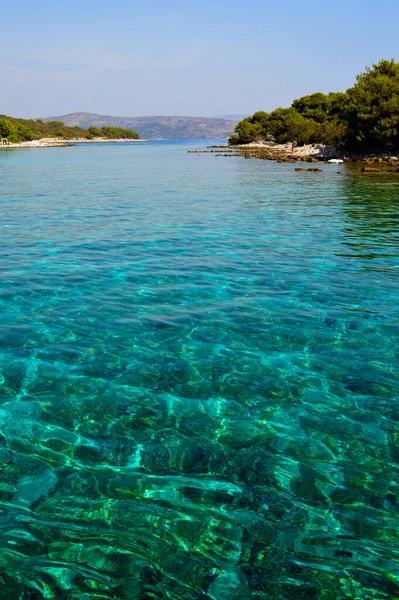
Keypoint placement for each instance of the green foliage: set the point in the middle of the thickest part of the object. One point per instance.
(247, 131)
(129, 134)
(261, 117)
(287, 125)
(372, 113)
(6, 128)
(117, 133)
(365, 116)
(15, 131)
(320, 107)
(22, 130)
(94, 132)
(329, 133)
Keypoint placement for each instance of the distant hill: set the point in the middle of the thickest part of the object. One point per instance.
(155, 128)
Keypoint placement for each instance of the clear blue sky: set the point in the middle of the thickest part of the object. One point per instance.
(191, 58)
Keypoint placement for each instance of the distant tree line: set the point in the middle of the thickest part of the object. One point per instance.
(114, 133)
(24, 130)
(366, 116)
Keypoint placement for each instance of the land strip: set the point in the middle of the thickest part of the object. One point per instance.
(57, 143)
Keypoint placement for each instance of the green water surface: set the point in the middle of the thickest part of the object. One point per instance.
(199, 390)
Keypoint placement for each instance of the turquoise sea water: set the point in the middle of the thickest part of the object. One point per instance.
(199, 390)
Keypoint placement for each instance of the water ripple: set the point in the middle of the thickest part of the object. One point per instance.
(198, 379)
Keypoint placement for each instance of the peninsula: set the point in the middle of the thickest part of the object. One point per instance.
(360, 125)
(361, 122)
(16, 132)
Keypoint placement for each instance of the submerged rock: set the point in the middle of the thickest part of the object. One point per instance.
(33, 487)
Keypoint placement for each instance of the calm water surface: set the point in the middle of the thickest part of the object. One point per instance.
(199, 377)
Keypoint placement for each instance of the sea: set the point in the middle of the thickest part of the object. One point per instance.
(199, 377)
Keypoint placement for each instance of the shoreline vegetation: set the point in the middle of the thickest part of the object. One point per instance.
(27, 133)
(361, 124)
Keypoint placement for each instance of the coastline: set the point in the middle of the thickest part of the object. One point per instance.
(60, 143)
(311, 153)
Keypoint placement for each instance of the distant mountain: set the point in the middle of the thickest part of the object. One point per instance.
(155, 128)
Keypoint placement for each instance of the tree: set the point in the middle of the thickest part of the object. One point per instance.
(116, 133)
(287, 125)
(6, 128)
(247, 132)
(23, 132)
(128, 134)
(261, 117)
(372, 113)
(329, 133)
(94, 132)
(320, 107)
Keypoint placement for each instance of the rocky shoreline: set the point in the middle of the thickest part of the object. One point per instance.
(289, 153)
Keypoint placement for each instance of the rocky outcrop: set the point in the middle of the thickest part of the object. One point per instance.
(287, 153)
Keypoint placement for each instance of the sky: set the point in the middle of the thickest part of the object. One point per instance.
(187, 58)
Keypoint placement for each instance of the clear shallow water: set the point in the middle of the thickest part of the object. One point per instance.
(199, 377)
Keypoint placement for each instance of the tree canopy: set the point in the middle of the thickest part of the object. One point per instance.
(372, 111)
(366, 115)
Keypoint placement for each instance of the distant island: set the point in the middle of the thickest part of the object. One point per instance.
(364, 118)
(27, 130)
(155, 128)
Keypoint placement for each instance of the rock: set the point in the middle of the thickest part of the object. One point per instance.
(300, 169)
(314, 170)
